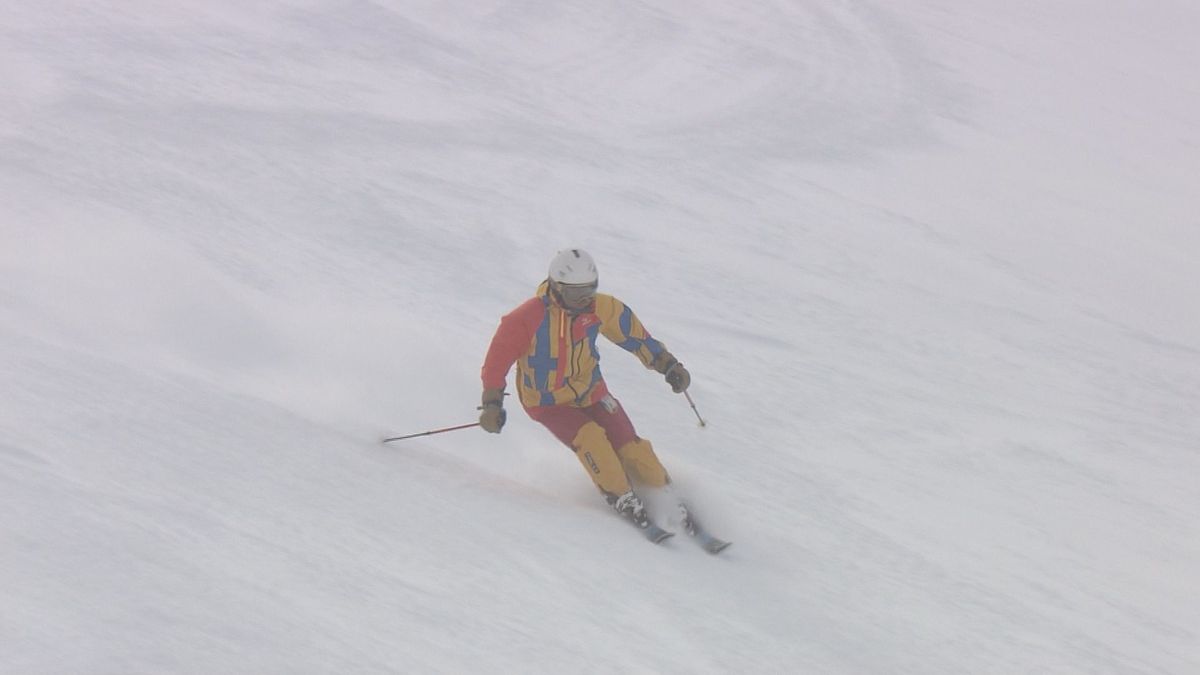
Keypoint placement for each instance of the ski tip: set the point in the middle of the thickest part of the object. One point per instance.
(717, 546)
(657, 535)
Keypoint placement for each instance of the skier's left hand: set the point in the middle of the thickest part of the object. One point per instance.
(678, 377)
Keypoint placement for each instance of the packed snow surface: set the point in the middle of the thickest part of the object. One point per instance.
(932, 266)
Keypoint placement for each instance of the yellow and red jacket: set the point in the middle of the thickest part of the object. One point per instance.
(555, 351)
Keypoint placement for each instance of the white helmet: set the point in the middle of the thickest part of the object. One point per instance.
(573, 266)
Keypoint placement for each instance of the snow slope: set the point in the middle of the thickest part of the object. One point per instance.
(932, 266)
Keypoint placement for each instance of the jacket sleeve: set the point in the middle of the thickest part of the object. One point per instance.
(510, 342)
(619, 324)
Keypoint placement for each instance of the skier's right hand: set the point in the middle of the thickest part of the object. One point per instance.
(492, 417)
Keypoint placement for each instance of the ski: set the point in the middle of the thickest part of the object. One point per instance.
(709, 543)
(696, 532)
(656, 534)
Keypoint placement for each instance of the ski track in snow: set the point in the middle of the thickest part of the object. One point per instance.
(931, 269)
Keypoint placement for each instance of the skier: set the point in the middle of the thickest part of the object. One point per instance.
(552, 339)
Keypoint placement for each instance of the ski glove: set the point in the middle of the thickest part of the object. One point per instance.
(677, 376)
(493, 416)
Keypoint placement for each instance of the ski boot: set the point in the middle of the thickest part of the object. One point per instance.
(698, 534)
(630, 507)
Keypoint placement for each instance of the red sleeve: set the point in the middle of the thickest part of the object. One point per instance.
(511, 340)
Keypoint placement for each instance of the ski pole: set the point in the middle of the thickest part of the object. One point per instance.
(693, 403)
(430, 433)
